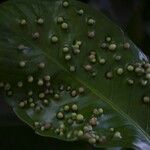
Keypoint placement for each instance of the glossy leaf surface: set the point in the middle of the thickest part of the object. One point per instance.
(70, 73)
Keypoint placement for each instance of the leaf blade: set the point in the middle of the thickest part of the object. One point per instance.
(50, 56)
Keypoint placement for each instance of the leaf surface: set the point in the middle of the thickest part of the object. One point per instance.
(70, 73)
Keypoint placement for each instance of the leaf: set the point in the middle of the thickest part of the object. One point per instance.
(71, 74)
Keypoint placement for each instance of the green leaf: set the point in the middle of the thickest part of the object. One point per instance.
(71, 74)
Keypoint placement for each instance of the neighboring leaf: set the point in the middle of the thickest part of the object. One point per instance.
(70, 73)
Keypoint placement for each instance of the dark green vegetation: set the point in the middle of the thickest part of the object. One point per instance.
(70, 73)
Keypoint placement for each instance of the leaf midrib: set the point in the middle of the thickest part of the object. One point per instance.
(101, 96)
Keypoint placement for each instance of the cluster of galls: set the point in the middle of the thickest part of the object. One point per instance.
(76, 47)
(42, 126)
(141, 70)
(44, 87)
(70, 117)
(44, 98)
(47, 94)
(111, 45)
(68, 51)
(6, 87)
(91, 33)
(33, 98)
(90, 132)
(40, 22)
(94, 57)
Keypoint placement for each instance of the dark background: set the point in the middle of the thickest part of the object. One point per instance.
(133, 16)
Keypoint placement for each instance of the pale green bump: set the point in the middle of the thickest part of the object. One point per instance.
(60, 115)
(40, 21)
(91, 21)
(64, 25)
(112, 47)
(65, 4)
(80, 117)
(60, 19)
(120, 71)
(74, 107)
(23, 22)
(54, 39)
(146, 99)
(81, 12)
(22, 64)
